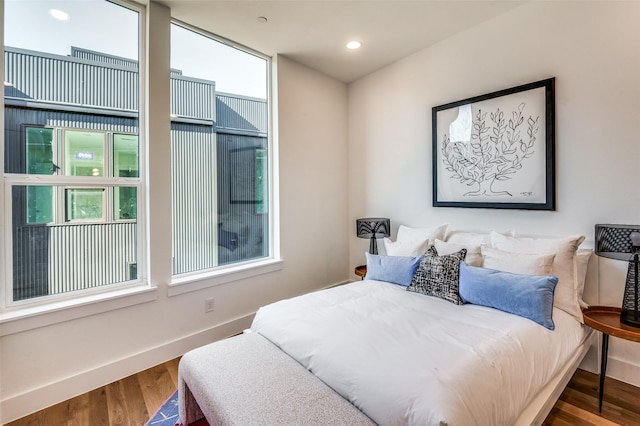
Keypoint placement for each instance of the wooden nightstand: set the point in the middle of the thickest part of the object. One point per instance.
(607, 320)
(361, 271)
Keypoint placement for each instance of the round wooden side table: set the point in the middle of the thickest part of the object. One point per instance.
(607, 320)
(361, 271)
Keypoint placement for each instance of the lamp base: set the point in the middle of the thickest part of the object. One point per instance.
(373, 246)
(630, 318)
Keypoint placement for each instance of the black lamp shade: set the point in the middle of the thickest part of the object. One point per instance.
(373, 227)
(622, 242)
(614, 241)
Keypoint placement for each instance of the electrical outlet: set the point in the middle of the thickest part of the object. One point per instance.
(208, 305)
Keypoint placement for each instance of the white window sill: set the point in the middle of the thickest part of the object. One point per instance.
(22, 319)
(187, 283)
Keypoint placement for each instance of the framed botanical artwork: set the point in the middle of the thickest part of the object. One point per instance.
(496, 150)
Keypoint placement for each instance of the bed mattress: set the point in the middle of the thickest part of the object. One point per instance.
(405, 358)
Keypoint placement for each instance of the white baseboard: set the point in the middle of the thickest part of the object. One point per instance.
(623, 371)
(31, 401)
(618, 369)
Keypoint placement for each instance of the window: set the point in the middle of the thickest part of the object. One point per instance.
(220, 153)
(84, 152)
(71, 148)
(73, 177)
(39, 151)
(125, 164)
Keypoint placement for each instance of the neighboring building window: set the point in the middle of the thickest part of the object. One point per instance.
(220, 153)
(39, 151)
(85, 155)
(71, 147)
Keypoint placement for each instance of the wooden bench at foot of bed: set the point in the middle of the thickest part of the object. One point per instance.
(246, 380)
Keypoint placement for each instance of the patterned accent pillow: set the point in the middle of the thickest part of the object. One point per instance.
(439, 276)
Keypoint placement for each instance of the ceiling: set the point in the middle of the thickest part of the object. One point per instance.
(314, 33)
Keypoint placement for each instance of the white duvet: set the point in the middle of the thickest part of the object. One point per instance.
(405, 358)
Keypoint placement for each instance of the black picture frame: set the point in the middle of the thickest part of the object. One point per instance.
(496, 150)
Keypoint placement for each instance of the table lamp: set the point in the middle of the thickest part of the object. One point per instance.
(622, 242)
(373, 227)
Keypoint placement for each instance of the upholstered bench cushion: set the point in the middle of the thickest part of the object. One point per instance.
(246, 380)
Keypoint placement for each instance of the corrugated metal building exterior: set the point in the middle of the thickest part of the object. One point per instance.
(214, 221)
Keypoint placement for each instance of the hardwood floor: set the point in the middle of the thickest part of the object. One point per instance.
(127, 402)
(578, 404)
(134, 399)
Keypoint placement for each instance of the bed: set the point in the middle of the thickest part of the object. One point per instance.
(404, 356)
(483, 366)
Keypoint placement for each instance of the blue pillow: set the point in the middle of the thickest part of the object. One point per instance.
(393, 269)
(529, 296)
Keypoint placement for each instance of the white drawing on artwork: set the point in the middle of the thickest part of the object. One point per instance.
(480, 153)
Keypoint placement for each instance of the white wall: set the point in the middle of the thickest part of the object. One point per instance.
(593, 51)
(49, 364)
(313, 180)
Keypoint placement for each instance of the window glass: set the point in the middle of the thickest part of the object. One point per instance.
(84, 153)
(39, 204)
(125, 203)
(220, 158)
(125, 155)
(262, 189)
(56, 258)
(39, 151)
(39, 157)
(71, 117)
(125, 164)
(84, 204)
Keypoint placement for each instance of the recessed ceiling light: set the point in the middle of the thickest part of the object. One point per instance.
(262, 19)
(58, 14)
(354, 45)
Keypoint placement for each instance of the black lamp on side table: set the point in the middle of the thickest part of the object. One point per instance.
(622, 242)
(373, 227)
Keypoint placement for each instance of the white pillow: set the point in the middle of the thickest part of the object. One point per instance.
(473, 257)
(422, 234)
(414, 241)
(405, 248)
(566, 292)
(582, 263)
(472, 238)
(518, 263)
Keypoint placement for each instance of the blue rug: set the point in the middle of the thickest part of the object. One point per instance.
(168, 414)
